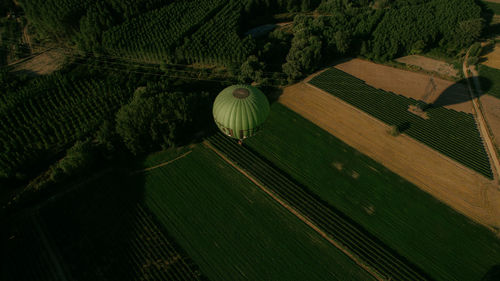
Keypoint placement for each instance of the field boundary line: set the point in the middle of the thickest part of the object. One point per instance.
(403, 135)
(162, 164)
(296, 213)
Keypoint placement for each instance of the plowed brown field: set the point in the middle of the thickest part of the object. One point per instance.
(457, 186)
(409, 84)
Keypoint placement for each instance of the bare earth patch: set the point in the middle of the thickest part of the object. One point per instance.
(338, 166)
(42, 64)
(491, 109)
(456, 185)
(429, 64)
(493, 58)
(409, 84)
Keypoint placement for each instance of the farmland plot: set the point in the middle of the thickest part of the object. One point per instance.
(233, 230)
(436, 240)
(452, 133)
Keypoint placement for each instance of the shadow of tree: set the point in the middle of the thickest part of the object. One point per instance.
(493, 274)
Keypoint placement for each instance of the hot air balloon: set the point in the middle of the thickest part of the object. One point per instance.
(240, 110)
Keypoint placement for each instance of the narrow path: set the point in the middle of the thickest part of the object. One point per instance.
(479, 116)
(303, 218)
(161, 165)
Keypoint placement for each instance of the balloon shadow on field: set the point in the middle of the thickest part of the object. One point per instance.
(94, 227)
(101, 230)
(459, 93)
(80, 234)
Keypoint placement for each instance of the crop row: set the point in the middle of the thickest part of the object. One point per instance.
(218, 41)
(452, 133)
(50, 117)
(154, 35)
(368, 248)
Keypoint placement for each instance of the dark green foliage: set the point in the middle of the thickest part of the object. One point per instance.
(218, 41)
(61, 18)
(475, 49)
(154, 35)
(55, 18)
(319, 41)
(11, 45)
(50, 114)
(334, 6)
(251, 70)
(77, 161)
(10, 82)
(154, 118)
(6, 6)
(448, 24)
(107, 138)
(97, 19)
(450, 132)
(262, 8)
(305, 52)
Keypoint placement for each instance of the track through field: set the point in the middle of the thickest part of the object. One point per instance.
(297, 214)
(366, 248)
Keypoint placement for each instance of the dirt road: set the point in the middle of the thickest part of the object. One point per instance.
(429, 64)
(296, 213)
(470, 71)
(456, 185)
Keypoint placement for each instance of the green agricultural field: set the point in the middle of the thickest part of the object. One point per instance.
(234, 231)
(443, 243)
(196, 215)
(450, 132)
(493, 75)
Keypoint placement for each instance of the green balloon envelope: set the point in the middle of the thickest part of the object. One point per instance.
(240, 110)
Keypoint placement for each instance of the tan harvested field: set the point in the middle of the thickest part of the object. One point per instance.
(493, 1)
(42, 64)
(457, 186)
(429, 64)
(410, 84)
(491, 109)
(493, 57)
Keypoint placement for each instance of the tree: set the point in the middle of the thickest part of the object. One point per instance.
(78, 159)
(154, 119)
(303, 57)
(251, 70)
